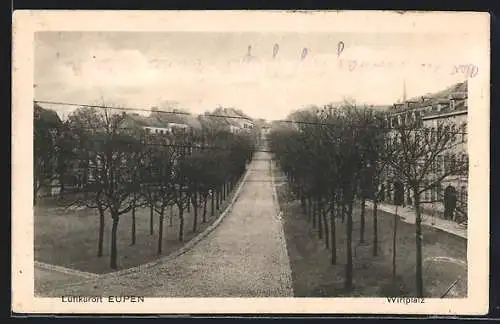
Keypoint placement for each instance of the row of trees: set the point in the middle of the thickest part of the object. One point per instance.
(117, 170)
(336, 157)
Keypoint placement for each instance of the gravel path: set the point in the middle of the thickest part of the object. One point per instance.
(245, 256)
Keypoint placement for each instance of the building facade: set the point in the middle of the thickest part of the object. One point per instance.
(445, 111)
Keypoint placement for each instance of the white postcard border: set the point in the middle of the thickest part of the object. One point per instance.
(26, 23)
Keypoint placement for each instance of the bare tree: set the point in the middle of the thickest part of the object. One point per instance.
(116, 160)
(161, 184)
(418, 151)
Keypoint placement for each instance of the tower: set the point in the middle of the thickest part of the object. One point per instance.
(404, 90)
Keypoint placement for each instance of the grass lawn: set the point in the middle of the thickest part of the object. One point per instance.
(68, 238)
(314, 275)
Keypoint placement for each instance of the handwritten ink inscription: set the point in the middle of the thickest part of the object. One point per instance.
(467, 70)
(351, 65)
(340, 48)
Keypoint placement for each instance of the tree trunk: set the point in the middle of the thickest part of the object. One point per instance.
(204, 217)
(326, 228)
(320, 220)
(333, 234)
(100, 242)
(362, 222)
(418, 242)
(195, 216)
(375, 229)
(160, 231)
(181, 224)
(217, 199)
(394, 240)
(114, 250)
(348, 266)
(314, 213)
(309, 208)
(62, 186)
(302, 201)
(151, 219)
(212, 203)
(133, 225)
(171, 216)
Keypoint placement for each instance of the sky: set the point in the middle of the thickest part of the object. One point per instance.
(200, 71)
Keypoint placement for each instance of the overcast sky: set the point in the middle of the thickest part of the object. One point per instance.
(203, 70)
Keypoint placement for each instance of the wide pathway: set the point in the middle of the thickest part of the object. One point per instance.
(407, 215)
(245, 256)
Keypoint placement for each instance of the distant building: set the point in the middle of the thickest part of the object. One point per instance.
(151, 125)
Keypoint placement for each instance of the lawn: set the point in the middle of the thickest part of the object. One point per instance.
(68, 238)
(314, 275)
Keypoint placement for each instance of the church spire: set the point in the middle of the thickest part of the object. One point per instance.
(404, 90)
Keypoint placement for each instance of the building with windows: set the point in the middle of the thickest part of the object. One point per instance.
(151, 125)
(445, 111)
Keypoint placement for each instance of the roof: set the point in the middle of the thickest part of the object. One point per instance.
(175, 115)
(144, 121)
(456, 91)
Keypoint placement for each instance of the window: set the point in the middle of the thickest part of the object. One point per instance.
(446, 162)
(433, 135)
(464, 132)
(426, 134)
(439, 166)
(453, 133)
(453, 162)
(433, 193)
(436, 165)
(426, 192)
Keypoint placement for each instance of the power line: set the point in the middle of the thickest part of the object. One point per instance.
(135, 109)
(231, 117)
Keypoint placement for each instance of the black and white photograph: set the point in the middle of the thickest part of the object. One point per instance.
(286, 162)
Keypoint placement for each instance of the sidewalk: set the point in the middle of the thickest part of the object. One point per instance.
(408, 216)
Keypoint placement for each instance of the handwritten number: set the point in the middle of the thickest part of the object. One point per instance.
(276, 49)
(474, 71)
(469, 70)
(340, 48)
(304, 53)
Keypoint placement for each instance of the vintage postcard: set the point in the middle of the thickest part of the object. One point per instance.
(173, 162)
